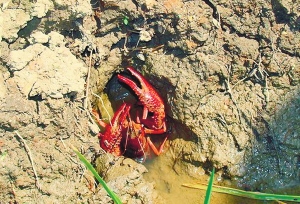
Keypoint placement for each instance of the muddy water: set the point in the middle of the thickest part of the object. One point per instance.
(169, 184)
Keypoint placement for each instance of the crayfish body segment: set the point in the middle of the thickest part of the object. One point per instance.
(127, 136)
(110, 140)
(151, 101)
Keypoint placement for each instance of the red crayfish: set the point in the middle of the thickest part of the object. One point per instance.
(125, 136)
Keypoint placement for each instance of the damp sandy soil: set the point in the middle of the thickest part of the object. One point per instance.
(228, 72)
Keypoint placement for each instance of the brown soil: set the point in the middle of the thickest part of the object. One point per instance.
(228, 72)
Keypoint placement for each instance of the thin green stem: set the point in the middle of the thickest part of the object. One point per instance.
(246, 194)
(88, 165)
(209, 187)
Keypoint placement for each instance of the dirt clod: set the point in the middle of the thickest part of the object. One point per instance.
(228, 72)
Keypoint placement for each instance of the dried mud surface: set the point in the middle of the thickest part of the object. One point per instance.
(228, 71)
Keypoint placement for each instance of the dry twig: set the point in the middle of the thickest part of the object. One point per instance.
(86, 98)
(31, 161)
(86, 102)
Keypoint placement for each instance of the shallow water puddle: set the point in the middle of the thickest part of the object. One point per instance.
(168, 183)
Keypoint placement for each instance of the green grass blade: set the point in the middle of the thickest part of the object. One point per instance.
(101, 181)
(209, 187)
(247, 194)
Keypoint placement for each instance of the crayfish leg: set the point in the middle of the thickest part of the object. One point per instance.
(152, 146)
(145, 112)
(99, 121)
(156, 131)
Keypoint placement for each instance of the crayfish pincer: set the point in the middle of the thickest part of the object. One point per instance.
(131, 137)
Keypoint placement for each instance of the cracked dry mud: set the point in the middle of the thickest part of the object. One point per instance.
(228, 72)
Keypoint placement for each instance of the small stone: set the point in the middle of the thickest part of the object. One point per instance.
(94, 128)
(56, 95)
(145, 36)
(38, 37)
(161, 29)
(141, 56)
